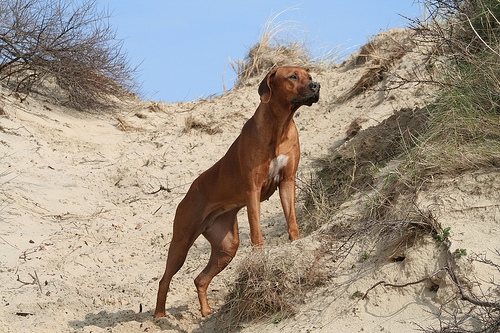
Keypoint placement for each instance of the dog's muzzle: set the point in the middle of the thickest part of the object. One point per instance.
(314, 87)
(309, 96)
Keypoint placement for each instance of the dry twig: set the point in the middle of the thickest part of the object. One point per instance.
(428, 277)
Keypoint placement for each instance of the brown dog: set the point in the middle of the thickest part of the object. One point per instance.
(264, 157)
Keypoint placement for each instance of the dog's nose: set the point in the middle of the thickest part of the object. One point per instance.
(314, 86)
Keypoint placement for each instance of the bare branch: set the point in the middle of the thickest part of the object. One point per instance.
(386, 284)
(66, 43)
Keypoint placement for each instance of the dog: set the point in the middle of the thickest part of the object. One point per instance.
(264, 157)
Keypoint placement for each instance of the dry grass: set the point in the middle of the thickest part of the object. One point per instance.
(401, 229)
(191, 123)
(270, 285)
(463, 133)
(155, 107)
(271, 52)
(123, 125)
(353, 167)
(377, 66)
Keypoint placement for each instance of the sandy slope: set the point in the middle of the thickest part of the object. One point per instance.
(84, 230)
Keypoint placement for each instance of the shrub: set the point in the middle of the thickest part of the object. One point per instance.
(271, 284)
(463, 132)
(63, 43)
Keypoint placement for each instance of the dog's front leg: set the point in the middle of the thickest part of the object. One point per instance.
(253, 211)
(287, 196)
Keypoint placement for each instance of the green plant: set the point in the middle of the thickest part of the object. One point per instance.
(364, 256)
(463, 133)
(443, 235)
(357, 294)
(460, 253)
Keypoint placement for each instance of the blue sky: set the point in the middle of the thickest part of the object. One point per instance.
(185, 48)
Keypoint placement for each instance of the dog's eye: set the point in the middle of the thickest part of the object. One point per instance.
(293, 77)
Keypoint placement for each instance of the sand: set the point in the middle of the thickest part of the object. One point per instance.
(87, 204)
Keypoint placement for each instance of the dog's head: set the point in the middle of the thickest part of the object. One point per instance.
(288, 84)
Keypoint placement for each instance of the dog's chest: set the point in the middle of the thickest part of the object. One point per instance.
(275, 167)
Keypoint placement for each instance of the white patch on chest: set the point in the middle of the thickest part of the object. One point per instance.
(276, 165)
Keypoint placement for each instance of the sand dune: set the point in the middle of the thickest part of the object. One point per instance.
(87, 204)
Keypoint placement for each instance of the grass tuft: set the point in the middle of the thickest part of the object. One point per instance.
(272, 51)
(464, 130)
(271, 284)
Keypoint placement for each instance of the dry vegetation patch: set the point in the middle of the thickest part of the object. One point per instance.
(353, 167)
(463, 133)
(271, 283)
(209, 128)
(378, 56)
(63, 49)
(271, 52)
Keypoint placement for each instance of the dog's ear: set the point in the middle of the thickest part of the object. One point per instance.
(265, 87)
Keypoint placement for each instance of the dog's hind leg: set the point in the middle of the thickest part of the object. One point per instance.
(177, 253)
(224, 240)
